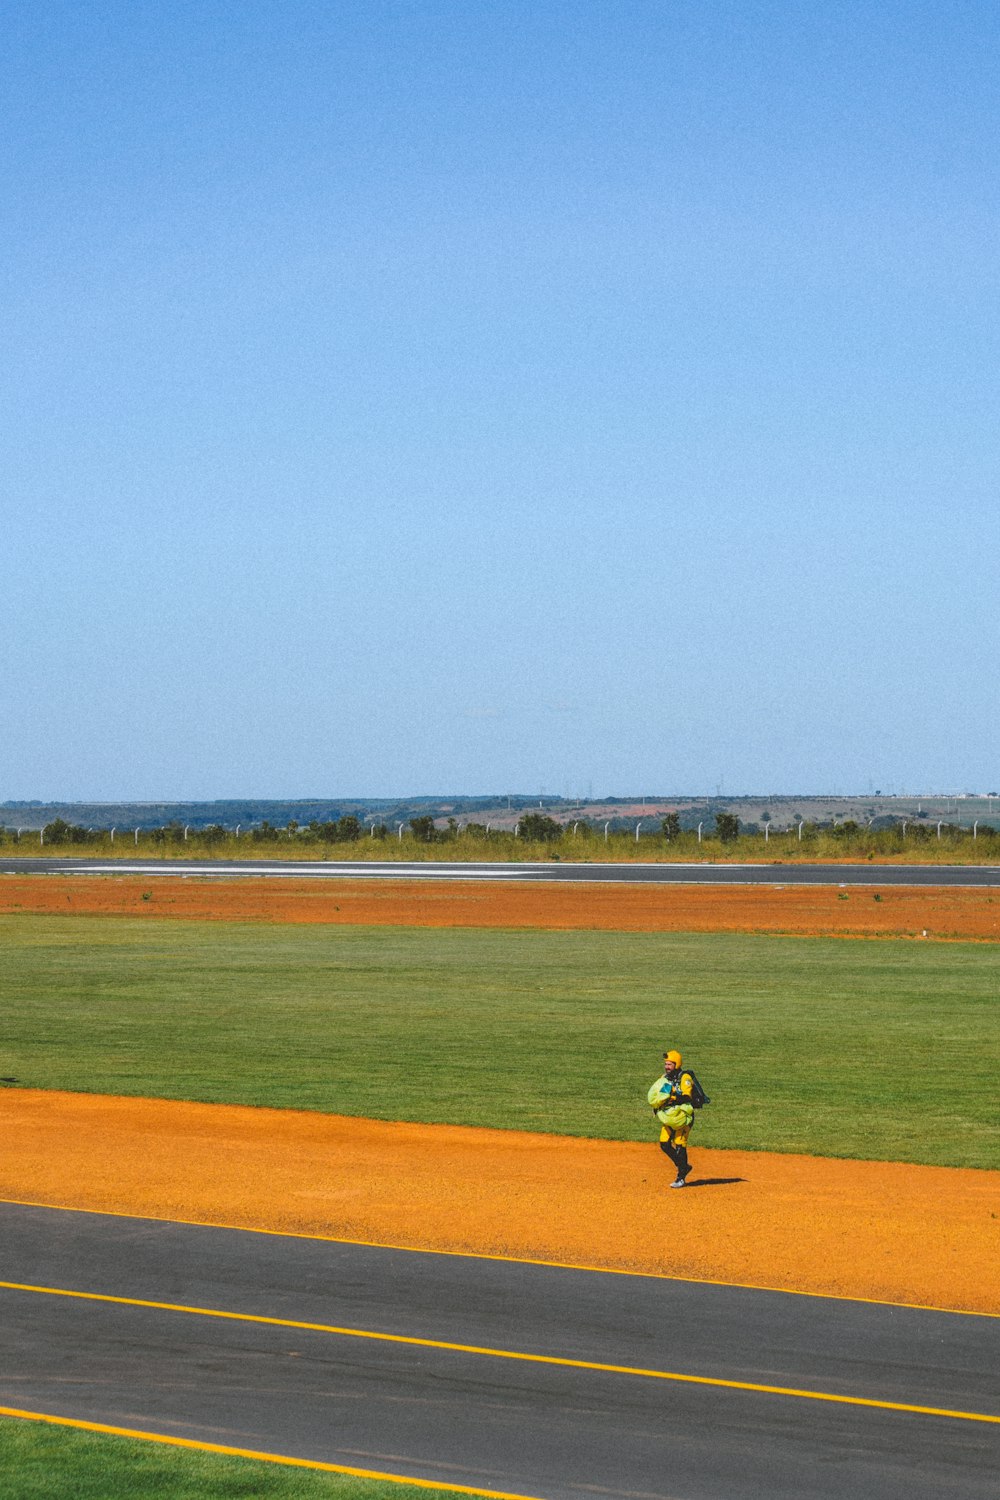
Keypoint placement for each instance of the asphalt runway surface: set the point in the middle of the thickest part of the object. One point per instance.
(500, 1375)
(634, 874)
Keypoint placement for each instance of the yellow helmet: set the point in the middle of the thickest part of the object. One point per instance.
(673, 1057)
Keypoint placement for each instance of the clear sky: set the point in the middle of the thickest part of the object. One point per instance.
(423, 397)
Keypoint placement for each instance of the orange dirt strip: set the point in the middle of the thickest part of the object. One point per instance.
(926, 1235)
(963, 912)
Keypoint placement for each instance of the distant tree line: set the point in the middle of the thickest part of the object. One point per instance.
(532, 827)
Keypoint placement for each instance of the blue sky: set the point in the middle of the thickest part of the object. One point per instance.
(425, 397)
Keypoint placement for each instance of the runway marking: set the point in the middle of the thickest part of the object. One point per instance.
(270, 1458)
(558, 1361)
(539, 872)
(513, 1260)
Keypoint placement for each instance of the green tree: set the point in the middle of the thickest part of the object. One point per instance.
(727, 827)
(170, 833)
(61, 832)
(540, 828)
(671, 826)
(423, 828)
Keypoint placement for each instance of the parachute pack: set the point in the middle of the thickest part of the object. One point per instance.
(698, 1097)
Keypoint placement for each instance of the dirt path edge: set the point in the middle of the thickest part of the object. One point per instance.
(892, 1232)
(954, 913)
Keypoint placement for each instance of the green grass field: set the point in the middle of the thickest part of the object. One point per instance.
(38, 1461)
(879, 1050)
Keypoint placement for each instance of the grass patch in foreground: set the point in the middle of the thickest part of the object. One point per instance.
(879, 1050)
(39, 1460)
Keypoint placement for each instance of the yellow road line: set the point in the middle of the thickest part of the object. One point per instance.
(513, 1354)
(514, 1260)
(271, 1458)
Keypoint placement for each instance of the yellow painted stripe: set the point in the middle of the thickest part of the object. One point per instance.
(490, 1353)
(514, 1260)
(270, 1458)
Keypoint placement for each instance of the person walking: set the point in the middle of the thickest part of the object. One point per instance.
(671, 1097)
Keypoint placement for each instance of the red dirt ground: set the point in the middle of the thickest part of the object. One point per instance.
(966, 913)
(925, 1235)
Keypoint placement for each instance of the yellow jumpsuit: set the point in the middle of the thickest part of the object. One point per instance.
(669, 1097)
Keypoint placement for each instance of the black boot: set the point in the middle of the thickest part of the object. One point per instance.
(683, 1166)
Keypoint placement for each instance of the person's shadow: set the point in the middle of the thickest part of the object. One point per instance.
(712, 1181)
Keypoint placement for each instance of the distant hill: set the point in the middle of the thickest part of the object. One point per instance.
(502, 811)
(247, 812)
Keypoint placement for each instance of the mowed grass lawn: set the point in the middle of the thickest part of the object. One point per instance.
(38, 1462)
(838, 1047)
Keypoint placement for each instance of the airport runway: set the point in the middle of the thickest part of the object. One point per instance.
(505, 1376)
(658, 874)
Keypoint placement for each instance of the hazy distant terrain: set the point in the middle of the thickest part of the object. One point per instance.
(780, 810)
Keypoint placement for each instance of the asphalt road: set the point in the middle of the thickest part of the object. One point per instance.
(454, 1406)
(657, 874)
